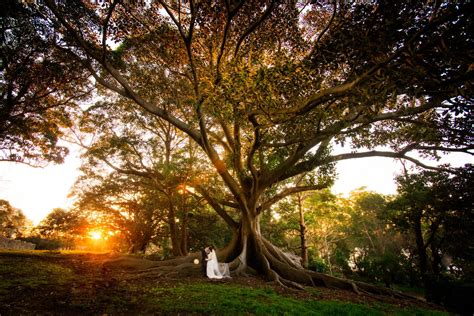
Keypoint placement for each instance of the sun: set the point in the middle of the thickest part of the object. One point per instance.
(95, 234)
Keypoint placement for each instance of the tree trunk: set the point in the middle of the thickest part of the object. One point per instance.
(184, 234)
(174, 235)
(420, 245)
(304, 247)
(328, 254)
(436, 261)
(138, 246)
(250, 252)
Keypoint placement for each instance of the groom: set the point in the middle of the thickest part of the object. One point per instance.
(204, 254)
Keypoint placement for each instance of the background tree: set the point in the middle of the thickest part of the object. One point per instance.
(264, 88)
(63, 226)
(141, 171)
(436, 209)
(124, 204)
(39, 88)
(288, 225)
(324, 216)
(12, 221)
(376, 247)
(328, 219)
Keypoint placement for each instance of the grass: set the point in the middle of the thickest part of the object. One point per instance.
(33, 282)
(31, 274)
(226, 299)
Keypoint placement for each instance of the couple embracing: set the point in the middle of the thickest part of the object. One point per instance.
(211, 267)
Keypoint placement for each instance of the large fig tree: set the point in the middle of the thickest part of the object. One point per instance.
(265, 88)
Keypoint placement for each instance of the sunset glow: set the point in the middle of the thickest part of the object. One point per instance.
(95, 234)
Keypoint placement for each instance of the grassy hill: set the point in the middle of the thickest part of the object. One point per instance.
(35, 282)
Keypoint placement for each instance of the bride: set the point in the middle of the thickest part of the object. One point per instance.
(214, 269)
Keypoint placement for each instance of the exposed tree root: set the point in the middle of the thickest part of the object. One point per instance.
(286, 271)
(273, 264)
(132, 263)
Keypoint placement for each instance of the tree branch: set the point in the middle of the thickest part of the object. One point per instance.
(345, 88)
(216, 206)
(220, 166)
(127, 91)
(254, 26)
(374, 153)
(106, 24)
(253, 149)
(227, 133)
(127, 171)
(279, 196)
(326, 28)
(231, 12)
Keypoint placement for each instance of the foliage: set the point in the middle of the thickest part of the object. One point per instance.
(125, 205)
(141, 178)
(346, 236)
(207, 228)
(377, 247)
(326, 219)
(62, 227)
(435, 208)
(45, 244)
(316, 263)
(281, 225)
(12, 221)
(40, 89)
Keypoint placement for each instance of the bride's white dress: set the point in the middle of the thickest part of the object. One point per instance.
(214, 269)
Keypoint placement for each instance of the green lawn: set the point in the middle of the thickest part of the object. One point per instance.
(74, 283)
(239, 300)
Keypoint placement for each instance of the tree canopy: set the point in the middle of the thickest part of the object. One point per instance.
(436, 209)
(40, 89)
(12, 220)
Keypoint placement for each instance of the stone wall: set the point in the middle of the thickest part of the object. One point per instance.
(6, 243)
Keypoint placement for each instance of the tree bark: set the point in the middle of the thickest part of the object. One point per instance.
(184, 234)
(253, 253)
(328, 253)
(304, 247)
(420, 245)
(174, 236)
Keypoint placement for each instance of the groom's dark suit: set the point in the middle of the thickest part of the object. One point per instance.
(203, 263)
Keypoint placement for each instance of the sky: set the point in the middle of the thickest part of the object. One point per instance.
(36, 191)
